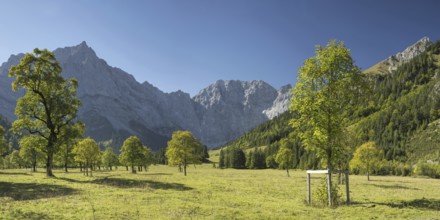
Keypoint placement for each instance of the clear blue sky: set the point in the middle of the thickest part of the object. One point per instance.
(189, 44)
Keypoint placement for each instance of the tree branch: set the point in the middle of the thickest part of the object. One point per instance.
(37, 132)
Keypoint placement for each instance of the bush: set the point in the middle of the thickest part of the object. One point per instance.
(321, 196)
(428, 169)
(270, 162)
(392, 168)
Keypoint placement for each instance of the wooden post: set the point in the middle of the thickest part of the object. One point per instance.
(309, 198)
(329, 188)
(347, 186)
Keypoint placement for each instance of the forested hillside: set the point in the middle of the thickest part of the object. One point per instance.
(399, 113)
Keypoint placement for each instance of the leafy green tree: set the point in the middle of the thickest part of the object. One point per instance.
(284, 157)
(30, 150)
(367, 158)
(4, 147)
(132, 152)
(147, 158)
(183, 149)
(326, 88)
(67, 139)
(49, 104)
(109, 158)
(87, 152)
(15, 160)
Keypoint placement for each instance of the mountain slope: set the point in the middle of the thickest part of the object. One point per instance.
(115, 105)
(391, 63)
(402, 116)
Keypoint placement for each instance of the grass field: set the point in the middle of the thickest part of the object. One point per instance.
(206, 193)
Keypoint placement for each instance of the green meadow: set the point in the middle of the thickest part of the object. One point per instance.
(206, 193)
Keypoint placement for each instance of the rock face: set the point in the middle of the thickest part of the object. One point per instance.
(409, 53)
(8, 98)
(227, 109)
(281, 103)
(115, 105)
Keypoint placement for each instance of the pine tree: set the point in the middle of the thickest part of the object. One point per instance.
(221, 163)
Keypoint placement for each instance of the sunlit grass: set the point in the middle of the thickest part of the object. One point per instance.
(206, 193)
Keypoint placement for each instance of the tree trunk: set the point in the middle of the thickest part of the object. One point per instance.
(368, 176)
(86, 169)
(91, 170)
(132, 169)
(287, 170)
(34, 166)
(66, 158)
(110, 168)
(49, 164)
(126, 167)
(65, 166)
(80, 167)
(184, 168)
(340, 176)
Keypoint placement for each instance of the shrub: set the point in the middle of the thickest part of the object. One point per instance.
(428, 169)
(321, 196)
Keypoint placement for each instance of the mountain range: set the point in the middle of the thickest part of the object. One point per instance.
(115, 105)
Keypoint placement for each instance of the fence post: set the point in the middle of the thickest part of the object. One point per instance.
(329, 187)
(347, 186)
(308, 189)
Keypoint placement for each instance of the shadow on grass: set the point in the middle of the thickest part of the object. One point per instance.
(31, 191)
(155, 174)
(423, 204)
(392, 186)
(130, 183)
(14, 173)
(426, 204)
(19, 214)
(388, 181)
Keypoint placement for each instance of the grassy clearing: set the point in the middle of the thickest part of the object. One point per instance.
(379, 68)
(206, 193)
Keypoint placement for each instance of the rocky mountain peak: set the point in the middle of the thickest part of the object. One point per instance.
(285, 88)
(409, 53)
(80, 54)
(12, 61)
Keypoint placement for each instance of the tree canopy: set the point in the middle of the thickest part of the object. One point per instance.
(49, 104)
(366, 158)
(4, 148)
(133, 152)
(325, 90)
(87, 151)
(285, 156)
(109, 158)
(31, 150)
(183, 149)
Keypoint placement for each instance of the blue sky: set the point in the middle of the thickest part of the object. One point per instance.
(189, 44)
